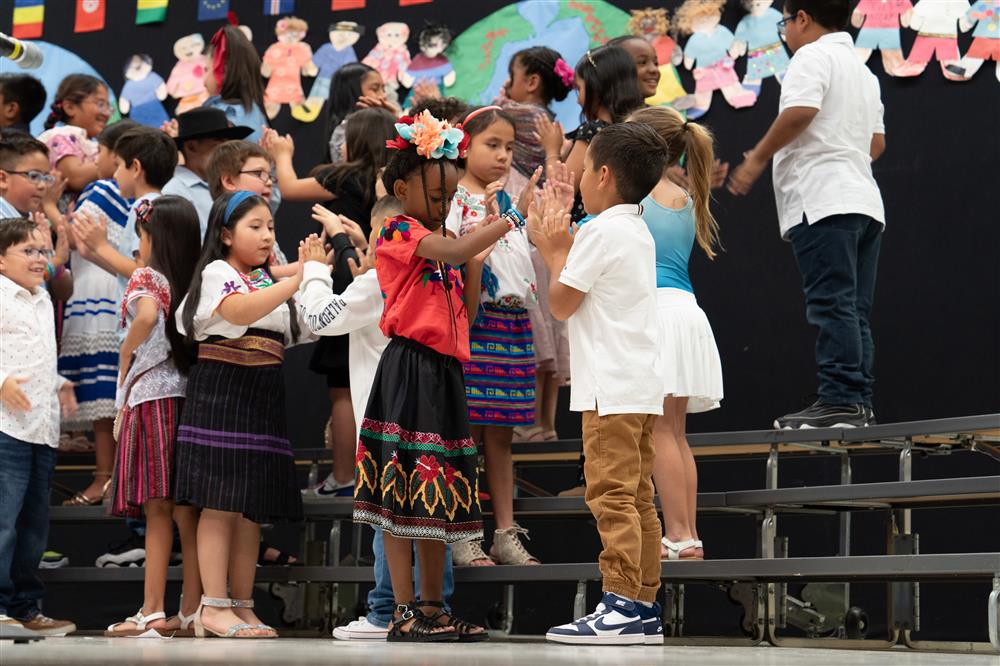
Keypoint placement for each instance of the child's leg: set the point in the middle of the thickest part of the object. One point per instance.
(499, 473)
(159, 540)
(868, 251)
(399, 557)
(649, 558)
(549, 402)
(215, 541)
(343, 435)
(243, 567)
(433, 567)
(670, 474)
(186, 518)
(104, 453)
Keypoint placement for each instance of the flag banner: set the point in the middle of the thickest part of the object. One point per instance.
(212, 10)
(276, 7)
(89, 15)
(28, 18)
(150, 11)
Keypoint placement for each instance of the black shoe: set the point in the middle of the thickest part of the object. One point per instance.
(820, 415)
(870, 416)
(128, 553)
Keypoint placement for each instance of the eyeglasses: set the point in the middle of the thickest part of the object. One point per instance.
(32, 253)
(101, 105)
(35, 177)
(263, 175)
(782, 24)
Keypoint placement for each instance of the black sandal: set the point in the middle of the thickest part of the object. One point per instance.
(466, 631)
(422, 630)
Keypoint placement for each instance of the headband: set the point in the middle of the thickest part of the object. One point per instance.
(590, 59)
(239, 197)
(433, 139)
(480, 110)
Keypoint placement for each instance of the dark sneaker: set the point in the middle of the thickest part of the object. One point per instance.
(128, 553)
(53, 560)
(46, 626)
(615, 622)
(870, 416)
(652, 622)
(820, 415)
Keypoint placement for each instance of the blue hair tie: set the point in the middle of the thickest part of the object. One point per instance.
(239, 197)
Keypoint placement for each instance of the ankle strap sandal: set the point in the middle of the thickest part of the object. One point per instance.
(248, 603)
(422, 629)
(467, 632)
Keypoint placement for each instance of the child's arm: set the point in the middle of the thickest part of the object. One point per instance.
(94, 234)
(244, 309)
(326, 313)
(878, 146)
(549, 229)
(473, 286)
(457, 251)
(787, 127)
(280, 272)
(146, 310)
(281, 149)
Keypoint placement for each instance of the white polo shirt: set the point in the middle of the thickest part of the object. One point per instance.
(614, 336)
(827, 169)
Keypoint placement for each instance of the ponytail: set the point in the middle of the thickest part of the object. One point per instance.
(693, 143)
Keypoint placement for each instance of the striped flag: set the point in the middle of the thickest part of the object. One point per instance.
(405, 3)
(150, 11)
(28, 18)
(211, 10)
(337, 5)
(275, 7)
(89, 15)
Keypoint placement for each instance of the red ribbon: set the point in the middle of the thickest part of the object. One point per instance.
(219, 56)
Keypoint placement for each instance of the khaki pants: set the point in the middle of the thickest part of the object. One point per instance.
(618, 465)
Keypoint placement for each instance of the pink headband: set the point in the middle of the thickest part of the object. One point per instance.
(478, 111)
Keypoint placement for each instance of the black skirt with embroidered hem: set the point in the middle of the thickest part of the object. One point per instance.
(416, 474)
(233, 452)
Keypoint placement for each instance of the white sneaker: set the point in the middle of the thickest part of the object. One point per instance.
(615, 622)
(328, 488)
(360, 630)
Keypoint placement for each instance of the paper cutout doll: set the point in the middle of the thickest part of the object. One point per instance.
(937, 35)
(653, 25)
(283, 65)
(707, 51)
(985, 15)
(143, 93)
(332, 56)
(390, 56)
(187, 79)
(757, 36)
(430, 64)
(879, 22)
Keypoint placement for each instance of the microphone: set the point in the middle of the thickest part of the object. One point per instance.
(25, 54)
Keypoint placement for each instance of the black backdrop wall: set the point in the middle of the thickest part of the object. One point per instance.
(936, 315)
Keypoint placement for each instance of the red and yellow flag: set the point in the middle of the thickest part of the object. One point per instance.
(28, 18)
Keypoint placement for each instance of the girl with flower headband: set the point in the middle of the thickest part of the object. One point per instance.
(153, 362)
(233, 80)
(234, 460)
(416, 463)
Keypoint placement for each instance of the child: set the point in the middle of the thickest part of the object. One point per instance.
(355, 85)
(500, 378)
(199, 133)
(24, 175)
(827, 134)
(81, 104)
(31, 397)
(690, 365)
(233, 81)
(22, 97)
(604, 283)
(153, 363)
(234, 460)
(647, 65)
(416, 476)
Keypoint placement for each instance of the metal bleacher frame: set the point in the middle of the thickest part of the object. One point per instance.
(758, 583)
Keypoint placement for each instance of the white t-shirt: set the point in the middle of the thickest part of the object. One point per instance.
(218, 281)
(356, 312)
(827, 169)
(614, 336)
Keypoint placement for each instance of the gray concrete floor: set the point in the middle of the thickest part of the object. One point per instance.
(302, 651)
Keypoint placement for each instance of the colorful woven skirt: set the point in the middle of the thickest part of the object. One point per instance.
(416, 474)
(500, 378)
(144, 461)
(233, 452)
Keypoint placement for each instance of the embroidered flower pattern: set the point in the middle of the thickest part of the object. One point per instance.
(434, 486)
(397, 229)
(257, 279)
(364, 469)
(393, 481)
(230, 287)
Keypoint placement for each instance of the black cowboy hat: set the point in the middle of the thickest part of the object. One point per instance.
(206, 122)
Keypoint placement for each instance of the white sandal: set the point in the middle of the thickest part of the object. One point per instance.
(201, 631)
(139, 620)
(674, 550)
(187, 622)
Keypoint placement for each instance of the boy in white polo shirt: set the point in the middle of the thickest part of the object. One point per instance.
(604, 283)
(828, 132)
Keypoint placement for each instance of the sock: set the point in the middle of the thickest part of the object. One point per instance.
(647, 604)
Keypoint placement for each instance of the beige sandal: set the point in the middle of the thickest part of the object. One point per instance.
(533, 433)
(508, 549)
(80, 499)
(468, 553)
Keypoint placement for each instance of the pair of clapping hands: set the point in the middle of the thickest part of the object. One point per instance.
(314, 247)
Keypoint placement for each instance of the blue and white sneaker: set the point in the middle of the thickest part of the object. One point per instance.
(615, 622)
(327, 489)
(652, 622)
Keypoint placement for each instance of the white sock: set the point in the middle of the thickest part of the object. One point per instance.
(647, 604)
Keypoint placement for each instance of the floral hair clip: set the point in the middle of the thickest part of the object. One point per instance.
(565, 72)
(143, 210)
(434, 139)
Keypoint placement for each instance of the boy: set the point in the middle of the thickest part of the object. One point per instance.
(199, 132)
(22, 97)
(31, 397)
(604, 283)
(24, 175)
(828, 132)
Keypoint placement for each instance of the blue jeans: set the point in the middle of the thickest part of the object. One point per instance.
(838, 259)
(25, 476)
(381, 601)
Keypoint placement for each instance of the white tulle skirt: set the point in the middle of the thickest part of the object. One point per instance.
(689, 362)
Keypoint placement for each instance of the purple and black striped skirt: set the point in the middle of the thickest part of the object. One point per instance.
(233, 452)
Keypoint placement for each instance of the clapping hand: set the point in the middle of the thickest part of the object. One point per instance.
(89, 232)
(277, 146)
(549, 225)
(561, 178)
(528, 193)
(312, 249)
(550, 135)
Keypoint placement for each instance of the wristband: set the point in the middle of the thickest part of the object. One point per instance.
(50, 271)
(514, 219)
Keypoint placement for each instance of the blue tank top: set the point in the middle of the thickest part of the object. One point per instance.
(673, 234)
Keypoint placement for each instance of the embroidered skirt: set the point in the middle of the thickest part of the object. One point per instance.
(144, 461)
(233, 452)
(500, 378)
(416, 474)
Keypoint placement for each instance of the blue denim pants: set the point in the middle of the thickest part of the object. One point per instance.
(25, 476)
(381, 601)
(838, 259)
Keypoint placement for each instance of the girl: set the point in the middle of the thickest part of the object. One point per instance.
(153, 362)
(355, 85)
(81, 105)
(234, 460)
(233, 80)
(692, 371)
(499, 380)
(537, 77)
(88, 350)
(416, 474)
